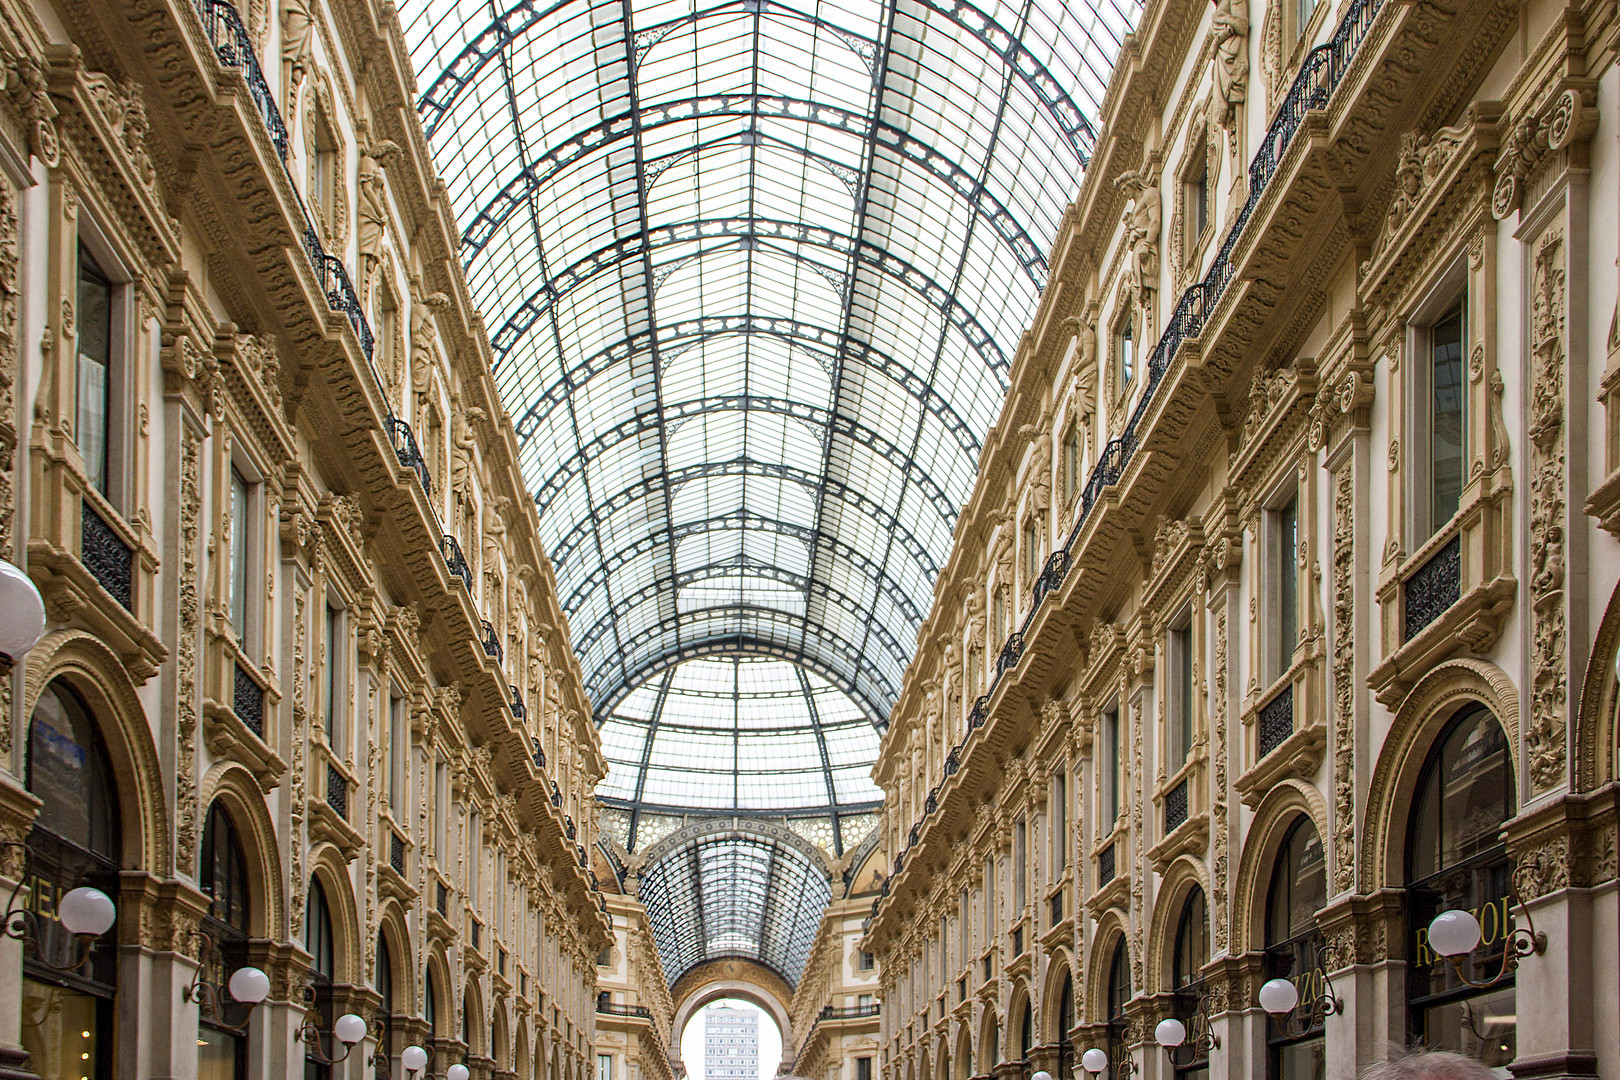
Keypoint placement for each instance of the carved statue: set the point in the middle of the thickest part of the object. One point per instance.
(424, 331)
(1142, 234)
(1230, 30)
(373, 210)
(296, 26)
(466, 445)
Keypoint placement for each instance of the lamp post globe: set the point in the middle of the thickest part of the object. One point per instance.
(86, 911)
(1279, 996)
(349, 1029)
(249, 985)
(1094, 1060)
(456, 1072)
(1454, 933)
(22, 613)
(1170, 1032)
(414, 1058)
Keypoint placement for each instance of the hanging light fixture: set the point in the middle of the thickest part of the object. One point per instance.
(1456, 933)
(246, 986)
(1095, 1063)
(1172, 1034)
(347, 1032)
(84, 912)
(22, 615)
(1280, 998)
(457, 1071)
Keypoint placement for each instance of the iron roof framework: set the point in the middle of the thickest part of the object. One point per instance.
(755, 272)
(735, 893)
(759, 268)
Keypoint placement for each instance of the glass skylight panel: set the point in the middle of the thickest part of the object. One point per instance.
(933, 278)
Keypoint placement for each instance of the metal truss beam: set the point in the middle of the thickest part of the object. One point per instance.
(526, 15)
(626, 603)
(754, 233)
(745, 521)
(607, 692)
(845, 809)
(812, 338)
(646, 759)
(542, 173)
(658, 483)
(826, 761)
(836, 424)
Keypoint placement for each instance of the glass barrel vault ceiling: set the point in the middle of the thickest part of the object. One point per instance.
(754, 273)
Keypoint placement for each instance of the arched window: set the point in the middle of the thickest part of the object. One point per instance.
(1186, 976)
(1293, 945)
(68, 1023)
(222, 873)
(1065, 1021)
(1026, 1031)
(385, 1012)
(318, 943)
(1119, 995)
(1455, 858)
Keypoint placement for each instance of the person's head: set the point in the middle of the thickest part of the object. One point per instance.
(1428, 1065)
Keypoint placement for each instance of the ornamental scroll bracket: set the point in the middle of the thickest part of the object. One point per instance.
(1562, 124)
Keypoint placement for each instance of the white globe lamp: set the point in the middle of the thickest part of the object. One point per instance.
(414, 1058)
(1094, 1061)
(456, 1072)
(249, 985)
(22, 614)
(1454, 933)
(1170, 1032)
(349, 1029)
(86, 911)
(1279, 997)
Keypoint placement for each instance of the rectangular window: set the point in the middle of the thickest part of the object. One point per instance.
(396, 756)
(1306, 8)
(863, 1068)
(1020, 864)
(333, 697)
(238, 583)
(863, 1001)
(1059, 817)
(1200, 197)
(387, 348)
(866, 961)
(604, 1067)
(1032, 551)
(1447, 403)
(989, 899)
(1180, 727)
(1109, 780)
(441, 800)
(94, 321)
(323, 172)
(1285, 576)
(475, 854)
(1071, 462)
(1000, 612)
(1125, 353)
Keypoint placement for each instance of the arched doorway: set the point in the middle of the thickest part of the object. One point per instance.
(1455, 859)
(1298, 890)
(68, 1018)
(223, 875)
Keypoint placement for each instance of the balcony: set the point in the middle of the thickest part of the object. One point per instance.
(455, 563)
(247, 700)
(108, 558)
(491, 641)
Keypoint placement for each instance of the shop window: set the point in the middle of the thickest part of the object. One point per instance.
(385, 1010)
(223, 875)
(1186, 978)
(68, 1019)
(1119, 995)
(1456, 860)
(319, 944)
(1297, 892)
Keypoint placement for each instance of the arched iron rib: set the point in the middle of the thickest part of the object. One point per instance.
(730, 232)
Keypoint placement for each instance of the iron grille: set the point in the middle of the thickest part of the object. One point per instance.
(441, 898)
(1010, 652)
(1105, 866)
(1057, 565)
(396, 853)
(1432, 588)
(519, 710)
(556, 794)
(981, 710)
(492, 643)
(1057, 907)
(931, 803)
(110, 561)
(409, 454)
(568, 827)
(1277, 720)
(247, 701)
(337, 791)
(951, 762)
(1175, 808)
(539, 754)
(455, 562)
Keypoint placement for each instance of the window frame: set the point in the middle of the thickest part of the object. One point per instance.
(1124, 347)
(1280, 558)
(117, 421)
(1181, 720)
(1450, 293)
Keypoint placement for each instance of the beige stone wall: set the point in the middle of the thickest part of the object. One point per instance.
(836, 1006)
(1465, 152)
(394, 710)
(634, 1011)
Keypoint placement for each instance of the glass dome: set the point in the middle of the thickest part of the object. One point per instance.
(739, 734)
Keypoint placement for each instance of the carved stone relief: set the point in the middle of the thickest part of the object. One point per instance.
(1548, 696)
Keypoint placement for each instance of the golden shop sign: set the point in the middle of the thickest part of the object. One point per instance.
(1495, 927)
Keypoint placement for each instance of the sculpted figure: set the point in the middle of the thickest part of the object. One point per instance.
(1142, 233)
(296, 26)
(373, 203)
(1231, 33)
